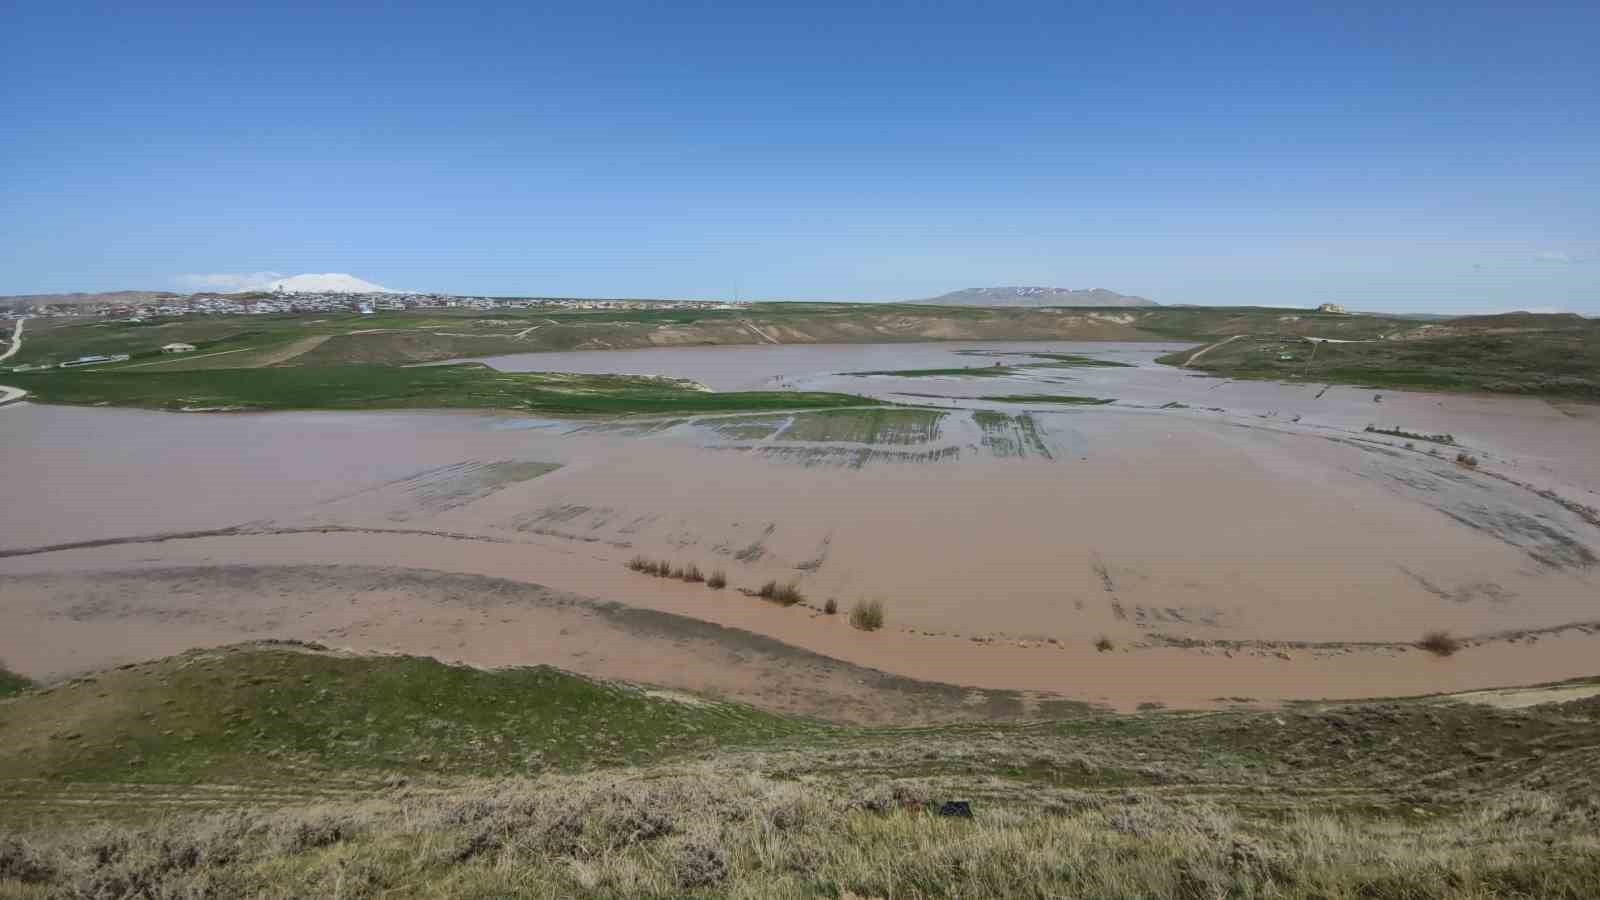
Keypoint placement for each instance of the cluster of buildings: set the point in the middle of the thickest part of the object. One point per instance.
(283, 302)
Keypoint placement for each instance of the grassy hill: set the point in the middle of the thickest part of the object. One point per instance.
(291, 771)
(1517, 353)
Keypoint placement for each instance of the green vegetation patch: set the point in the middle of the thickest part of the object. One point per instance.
(1057, 360)
(469, 385)
(994, 371)
(1006, 435)
(1048, 398)
(866, 426)
(11, 682)
(261, 712)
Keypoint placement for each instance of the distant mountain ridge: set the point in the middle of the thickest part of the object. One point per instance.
(1036, 296)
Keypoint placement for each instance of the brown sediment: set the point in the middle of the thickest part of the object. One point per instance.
(1273, 551)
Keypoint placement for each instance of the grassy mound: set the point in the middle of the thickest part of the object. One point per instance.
(290, 711)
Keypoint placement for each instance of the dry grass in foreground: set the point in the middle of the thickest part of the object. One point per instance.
(721, 833)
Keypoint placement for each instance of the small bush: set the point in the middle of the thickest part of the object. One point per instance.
(692, 574)
(1466, 460)
(1103, 644)
(21, 862)
(640, 564)
(867, 615)
(782, 594)
(11, 682)
(718, 580)
(676, 572)
(831, 607)
(1440, 643)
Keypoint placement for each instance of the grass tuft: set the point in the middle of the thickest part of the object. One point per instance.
(867, 615)
(831, 607)
(1440, 643)
(1104, 644)
(718, 580)
(781, 594)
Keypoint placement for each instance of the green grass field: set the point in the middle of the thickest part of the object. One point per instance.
(463, 386)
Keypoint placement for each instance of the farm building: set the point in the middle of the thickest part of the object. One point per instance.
(178, 348)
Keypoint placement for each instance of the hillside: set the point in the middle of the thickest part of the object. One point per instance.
(1518, 353)
(77, 298)
(1035, 297)
(292, 770)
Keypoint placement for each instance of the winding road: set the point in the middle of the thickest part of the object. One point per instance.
(9, 394)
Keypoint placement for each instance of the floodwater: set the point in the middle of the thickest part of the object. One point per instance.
(1232, 539)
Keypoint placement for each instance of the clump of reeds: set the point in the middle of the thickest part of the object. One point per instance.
(781, 594)
(1104, 644)
(660, 568)
(718, 580)
(1440, 643)
(867, 615)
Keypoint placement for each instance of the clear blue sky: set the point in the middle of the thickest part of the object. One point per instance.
(1408, 156)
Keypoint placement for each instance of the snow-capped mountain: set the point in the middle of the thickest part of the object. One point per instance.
(1036, 296)
(327, 283)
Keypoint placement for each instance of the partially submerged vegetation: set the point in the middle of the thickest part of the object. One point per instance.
(867, 615)
(1064, 399)
(464, 386)
(1397, 431)
(321, 774)
(784, 594)
(995, 371)
(1440, 643)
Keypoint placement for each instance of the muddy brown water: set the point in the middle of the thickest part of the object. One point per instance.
(1231, 539)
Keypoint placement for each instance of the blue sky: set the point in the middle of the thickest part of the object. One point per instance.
(1412, 157)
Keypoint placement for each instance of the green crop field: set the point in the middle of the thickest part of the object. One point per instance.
(463, 386)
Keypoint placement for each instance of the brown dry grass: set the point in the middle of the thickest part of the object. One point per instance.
(720, 832)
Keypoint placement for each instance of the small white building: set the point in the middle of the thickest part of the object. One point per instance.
(178, 348)
(1331, 308)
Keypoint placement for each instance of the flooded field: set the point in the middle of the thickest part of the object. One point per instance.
(1226, 539)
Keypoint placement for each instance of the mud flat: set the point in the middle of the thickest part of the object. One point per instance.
(1229, 540)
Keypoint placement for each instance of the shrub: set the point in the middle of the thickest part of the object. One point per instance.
(867, 615)
(692, 574)
(640, 564)
(1103, 644)
(831, 607)
(718, 580)
(22, 862)
(1466, 460)
(1440, 643)
(782, 594)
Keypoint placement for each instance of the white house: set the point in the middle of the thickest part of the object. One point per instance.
(178, 348)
